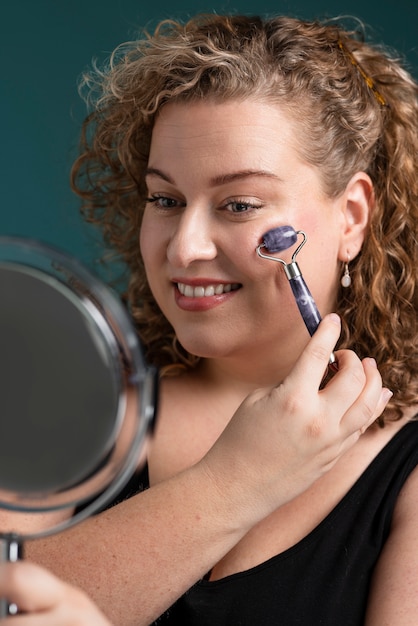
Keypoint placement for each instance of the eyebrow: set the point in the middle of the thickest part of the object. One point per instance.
(222, 179)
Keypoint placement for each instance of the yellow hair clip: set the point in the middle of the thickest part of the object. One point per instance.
(368, 80)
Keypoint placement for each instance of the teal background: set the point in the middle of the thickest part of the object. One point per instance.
(45, 45)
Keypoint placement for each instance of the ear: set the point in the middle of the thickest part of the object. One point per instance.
(357, 203)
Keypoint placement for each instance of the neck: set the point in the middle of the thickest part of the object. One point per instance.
(249, 372)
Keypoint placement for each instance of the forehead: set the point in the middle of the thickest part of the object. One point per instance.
(209, 144)
(243, 130)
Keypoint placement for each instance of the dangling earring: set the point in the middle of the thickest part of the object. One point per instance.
(346, 278)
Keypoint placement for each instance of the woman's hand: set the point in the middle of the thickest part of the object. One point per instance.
(44, 600)
(283, 438)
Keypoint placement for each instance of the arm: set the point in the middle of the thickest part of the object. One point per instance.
(394, 591)
(138, 557)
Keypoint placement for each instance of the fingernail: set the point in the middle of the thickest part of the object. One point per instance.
(372, 361)
(386, 395)
(333, 317)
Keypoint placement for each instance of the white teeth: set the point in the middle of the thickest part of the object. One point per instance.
(201, 291)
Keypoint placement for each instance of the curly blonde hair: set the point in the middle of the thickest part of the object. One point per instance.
(356, 108)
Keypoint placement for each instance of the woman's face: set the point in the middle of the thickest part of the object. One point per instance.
(219, 176)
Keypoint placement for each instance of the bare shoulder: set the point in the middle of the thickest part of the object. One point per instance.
(188, 425)
(394, 592)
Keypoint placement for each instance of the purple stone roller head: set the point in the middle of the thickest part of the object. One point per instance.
(277, 240)
(280, 238)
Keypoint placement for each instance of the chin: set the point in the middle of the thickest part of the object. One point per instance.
(203, 348)
(204, 352)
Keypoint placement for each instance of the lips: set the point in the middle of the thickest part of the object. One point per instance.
(205, 291)
(204, 295)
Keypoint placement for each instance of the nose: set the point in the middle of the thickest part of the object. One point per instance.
(192, 240)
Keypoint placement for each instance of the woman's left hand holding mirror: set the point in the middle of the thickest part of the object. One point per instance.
(50, 601)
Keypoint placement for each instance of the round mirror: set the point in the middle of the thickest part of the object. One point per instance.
(77, 397)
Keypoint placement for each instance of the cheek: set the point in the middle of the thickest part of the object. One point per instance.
(151, 241)
(145, 246)
(320, 268)
(263, 274)
(270, 278)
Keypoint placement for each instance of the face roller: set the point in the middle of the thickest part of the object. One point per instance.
(278, 240)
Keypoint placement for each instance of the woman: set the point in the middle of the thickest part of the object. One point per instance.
(176, 531)
(204, 137)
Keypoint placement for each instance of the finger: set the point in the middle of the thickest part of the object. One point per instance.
(309, 369)
(370, 402)
(39, 619)
(347, 384)
(385, 397)
(30, 587)
(44, 600)
(354, 436)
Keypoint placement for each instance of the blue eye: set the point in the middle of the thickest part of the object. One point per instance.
(238, 206)
(163, 202)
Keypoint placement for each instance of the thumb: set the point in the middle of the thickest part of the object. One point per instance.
(309, 368)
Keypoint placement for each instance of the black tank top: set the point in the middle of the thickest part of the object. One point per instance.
(324, 579)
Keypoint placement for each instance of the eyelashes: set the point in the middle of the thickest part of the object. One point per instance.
(233, 206)
(163, 202)
(241, 206)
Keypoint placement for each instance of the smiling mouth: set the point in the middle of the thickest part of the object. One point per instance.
(201, 291)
